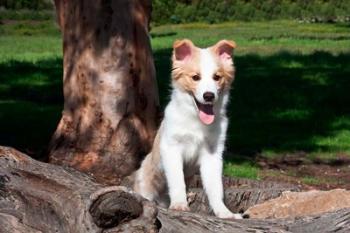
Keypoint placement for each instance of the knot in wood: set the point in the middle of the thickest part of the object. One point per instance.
(113, 208)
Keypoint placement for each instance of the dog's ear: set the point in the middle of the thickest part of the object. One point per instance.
(182, 49)
(224, 49)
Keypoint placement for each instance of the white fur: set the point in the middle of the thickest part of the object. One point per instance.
(186, 143)
(207, 83)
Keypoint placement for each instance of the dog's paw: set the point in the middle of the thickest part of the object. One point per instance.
(179, 207)
(228, 215)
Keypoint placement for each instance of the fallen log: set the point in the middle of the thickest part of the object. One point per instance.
(40, 197)
(174, 222)
(299, 204)
(240, 193)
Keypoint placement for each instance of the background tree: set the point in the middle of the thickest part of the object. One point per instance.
(110, 94)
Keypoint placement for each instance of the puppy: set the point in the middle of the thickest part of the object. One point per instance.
(193, 131)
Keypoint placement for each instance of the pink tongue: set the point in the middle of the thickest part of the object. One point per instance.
(206, 114)
(205, 118)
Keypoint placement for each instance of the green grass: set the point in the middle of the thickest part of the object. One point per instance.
(240, 167)
(291, 91)
(29, 49)
(310, 180)
(263, 38)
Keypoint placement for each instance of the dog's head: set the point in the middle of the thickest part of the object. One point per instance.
(203, 73)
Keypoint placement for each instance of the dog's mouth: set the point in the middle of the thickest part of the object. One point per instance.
(205, 112)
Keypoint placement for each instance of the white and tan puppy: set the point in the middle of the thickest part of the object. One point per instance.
(193, 131)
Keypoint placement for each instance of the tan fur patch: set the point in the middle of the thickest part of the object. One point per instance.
(226, 70)
(227, 77)
(153, 179)
(183, 71)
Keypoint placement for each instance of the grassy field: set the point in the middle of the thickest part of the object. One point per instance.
(291, 92)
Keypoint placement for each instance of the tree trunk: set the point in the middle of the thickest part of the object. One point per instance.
(110, 95)
(37, 197)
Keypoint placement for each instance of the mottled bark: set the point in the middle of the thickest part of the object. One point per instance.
(110, 94)
(37, 197)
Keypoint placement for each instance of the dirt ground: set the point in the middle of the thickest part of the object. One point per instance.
(316, 174)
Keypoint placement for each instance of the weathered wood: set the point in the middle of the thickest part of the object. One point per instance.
(37, 197)
(111, 209)
(41, 197)
(111, 106)
(298, 204)
(337, 221)
(240, 193)
(175, 222)
(9, 223)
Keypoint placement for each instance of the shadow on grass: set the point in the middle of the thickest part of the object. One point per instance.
(30, 104)
(282, 102)
(155, 35)
(39, 82)
(286, 102)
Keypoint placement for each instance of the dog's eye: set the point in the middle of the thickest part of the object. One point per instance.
(196, 77)
(217, 77)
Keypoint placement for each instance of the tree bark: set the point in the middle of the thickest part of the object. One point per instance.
(111, 105)
(37, 197)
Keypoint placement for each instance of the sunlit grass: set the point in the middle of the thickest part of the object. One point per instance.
(337, 141)
(29, 48)
(260, 37)
(243, 170)
(312, 180)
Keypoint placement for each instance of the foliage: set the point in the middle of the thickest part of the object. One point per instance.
(184, 11)
(27, 4)
(26, 9)
(172, 11)
(26, 14)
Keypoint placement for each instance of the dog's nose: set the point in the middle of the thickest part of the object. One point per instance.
(208, 96)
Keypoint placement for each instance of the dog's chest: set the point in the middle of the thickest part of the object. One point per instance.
(191, 145)
(182, 128)
(192, 139)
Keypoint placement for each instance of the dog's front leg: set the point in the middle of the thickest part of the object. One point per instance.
(211, 174)
(172, 162)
